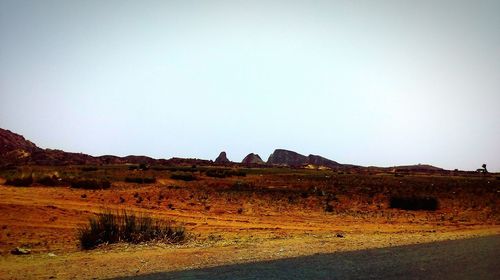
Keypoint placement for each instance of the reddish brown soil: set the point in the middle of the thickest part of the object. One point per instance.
(237, 218)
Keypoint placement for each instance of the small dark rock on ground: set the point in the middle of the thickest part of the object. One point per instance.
(20, 251)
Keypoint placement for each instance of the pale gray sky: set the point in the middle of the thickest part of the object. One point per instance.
(364, 82)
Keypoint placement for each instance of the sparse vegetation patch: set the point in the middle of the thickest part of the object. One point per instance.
(49, 181)
(89, 168)
(140, 180)
(414, 203)
(89, 184)
(20, 181)
(223, 173)
(107, 228)
(183, 176)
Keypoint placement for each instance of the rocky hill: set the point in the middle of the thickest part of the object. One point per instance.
(286, 157)
(252, 159)
(10, 141)
(291, 158)
(15, 149)
(222, 158)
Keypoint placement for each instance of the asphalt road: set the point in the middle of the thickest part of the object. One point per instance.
(477, 258)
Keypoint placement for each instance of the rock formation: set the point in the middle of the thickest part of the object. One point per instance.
(10, 141)
(286, 157)
(222, 158)
(252, 159)
(290, 158)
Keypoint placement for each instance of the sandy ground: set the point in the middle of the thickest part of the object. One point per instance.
(126, 260)
(224, 226)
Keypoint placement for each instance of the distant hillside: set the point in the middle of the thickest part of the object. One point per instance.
(16, 150)
(417, 167)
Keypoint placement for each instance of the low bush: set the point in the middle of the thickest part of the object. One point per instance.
(140, 180)
(89, 168)
(49, 181)
(141, 166)
(329, 208)
(108, 228)
(223, 173)
(414, 203)
(216, 173)
(159, 168)
(133, 167)
(183, 176)
(90, 184)
(9, 166)
(20, 181)
(240, 186)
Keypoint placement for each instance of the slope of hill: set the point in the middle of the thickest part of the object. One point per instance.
(321, 161)
(417, 168)
(15, 149)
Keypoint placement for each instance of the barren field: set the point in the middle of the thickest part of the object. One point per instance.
(247, 215)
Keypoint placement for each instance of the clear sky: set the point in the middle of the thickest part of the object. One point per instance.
(363, 82)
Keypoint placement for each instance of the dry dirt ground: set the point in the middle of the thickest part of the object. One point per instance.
(262, 216)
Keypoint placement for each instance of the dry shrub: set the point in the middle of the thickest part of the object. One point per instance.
(223, 173)
(49, 181)
(183, 176)
(110, 227)
(20, 181)
(89, 168)
(414, 203)
(90, 184)
(140, 180)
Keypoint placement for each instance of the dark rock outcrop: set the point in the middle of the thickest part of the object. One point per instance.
(286, 157)
(14, 148)
(10, 141)
(290, 158)
(222, 158)
(252, 159)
